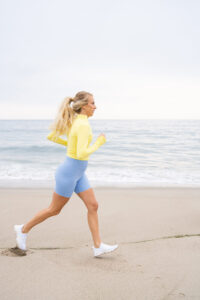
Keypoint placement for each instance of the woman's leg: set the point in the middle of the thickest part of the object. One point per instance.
(89, 200)
(54, 208)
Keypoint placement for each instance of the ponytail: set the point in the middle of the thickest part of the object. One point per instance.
(66, 114)
(64, 118)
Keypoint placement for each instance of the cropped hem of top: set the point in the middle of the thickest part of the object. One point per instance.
(79, 139)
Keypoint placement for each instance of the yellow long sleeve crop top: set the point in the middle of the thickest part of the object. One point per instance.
(79, 139)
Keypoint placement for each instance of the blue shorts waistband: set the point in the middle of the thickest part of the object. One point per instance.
(75, 159)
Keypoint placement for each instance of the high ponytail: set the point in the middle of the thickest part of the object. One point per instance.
(66, 114)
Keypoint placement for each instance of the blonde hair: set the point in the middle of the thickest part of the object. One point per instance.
(66, 114)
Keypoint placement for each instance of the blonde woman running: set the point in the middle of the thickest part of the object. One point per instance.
(70, 175)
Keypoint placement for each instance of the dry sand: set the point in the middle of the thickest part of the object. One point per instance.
(157, 229)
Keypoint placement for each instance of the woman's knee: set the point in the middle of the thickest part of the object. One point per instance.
(93, 206)
(57, 204)
(53, 212)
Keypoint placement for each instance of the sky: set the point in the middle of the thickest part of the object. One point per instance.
(140, 59)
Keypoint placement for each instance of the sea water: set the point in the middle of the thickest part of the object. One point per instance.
(137, 153)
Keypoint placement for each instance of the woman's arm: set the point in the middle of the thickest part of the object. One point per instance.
(82, 142)
(52, 137)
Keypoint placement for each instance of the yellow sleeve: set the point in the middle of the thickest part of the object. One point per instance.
(83, 150)
(52, 137)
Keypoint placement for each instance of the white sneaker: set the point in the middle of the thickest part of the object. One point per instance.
(21, 237)
(104, 248)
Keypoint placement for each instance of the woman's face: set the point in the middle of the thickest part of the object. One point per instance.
(90, 107)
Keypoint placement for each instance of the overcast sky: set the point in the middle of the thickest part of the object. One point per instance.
(140, 59)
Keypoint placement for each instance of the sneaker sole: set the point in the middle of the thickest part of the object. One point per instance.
(106, 252)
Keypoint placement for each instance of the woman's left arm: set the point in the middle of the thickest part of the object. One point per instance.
(56, 139)
(83, 150)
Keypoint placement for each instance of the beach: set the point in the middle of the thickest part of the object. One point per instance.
(157, 230)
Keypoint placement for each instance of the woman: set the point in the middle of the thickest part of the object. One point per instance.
(70, 175)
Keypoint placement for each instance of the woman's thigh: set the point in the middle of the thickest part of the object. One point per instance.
(89, 199)
(57, 202)
(64, 181)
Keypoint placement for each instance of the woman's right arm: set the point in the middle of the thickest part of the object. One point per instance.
(52, 137)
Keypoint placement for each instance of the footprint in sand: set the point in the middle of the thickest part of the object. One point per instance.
(15, 252)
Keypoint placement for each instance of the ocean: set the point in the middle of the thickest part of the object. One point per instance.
(138, 153)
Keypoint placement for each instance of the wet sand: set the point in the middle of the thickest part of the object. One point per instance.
(157, 229)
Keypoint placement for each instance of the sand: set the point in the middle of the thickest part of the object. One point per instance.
(157, 229)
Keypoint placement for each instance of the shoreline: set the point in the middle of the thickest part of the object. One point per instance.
(109, 188)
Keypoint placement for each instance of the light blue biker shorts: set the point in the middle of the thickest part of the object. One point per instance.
(70, 177)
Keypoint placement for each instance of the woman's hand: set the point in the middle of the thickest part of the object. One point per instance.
(102, 134)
